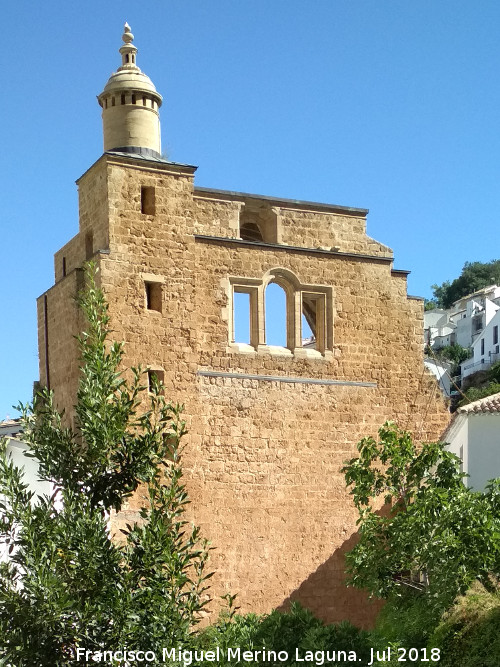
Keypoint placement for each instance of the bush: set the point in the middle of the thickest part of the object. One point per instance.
(296, 630)
(468, 634)
(475, 393)
(494, 372)
(408, 621)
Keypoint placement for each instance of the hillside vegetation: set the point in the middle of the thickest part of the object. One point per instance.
(474, 276)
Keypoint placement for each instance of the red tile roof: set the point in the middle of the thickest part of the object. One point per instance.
(488, 404)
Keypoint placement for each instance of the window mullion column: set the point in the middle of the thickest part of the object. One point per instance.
(260, 316)
(294, 324)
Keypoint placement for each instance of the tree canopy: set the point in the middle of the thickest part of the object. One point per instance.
(474, 276)
(68, 585)
(435, 536)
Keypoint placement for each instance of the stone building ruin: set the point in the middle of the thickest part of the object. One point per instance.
(269, 426)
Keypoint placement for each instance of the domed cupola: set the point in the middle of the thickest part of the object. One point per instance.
(130, 104)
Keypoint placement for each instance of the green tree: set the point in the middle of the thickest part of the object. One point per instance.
(434, 537)
(455, 353)
(430, 304)
(474, 276)
(67, 584)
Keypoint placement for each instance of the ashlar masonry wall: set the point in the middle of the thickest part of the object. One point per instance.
(269, 427)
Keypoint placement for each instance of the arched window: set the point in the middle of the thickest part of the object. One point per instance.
(276, 315)
(278, 311)
(250, 231)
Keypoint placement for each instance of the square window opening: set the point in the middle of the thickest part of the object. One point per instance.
(155, 381)
(154, 295)
(147, 200)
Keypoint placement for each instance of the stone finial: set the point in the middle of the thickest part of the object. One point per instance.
(127, 36)
(127, 49)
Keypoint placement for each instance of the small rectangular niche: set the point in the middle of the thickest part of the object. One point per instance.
(64, 266)
(89, 245)
(156, 377)
(147, 199)
(154, 293)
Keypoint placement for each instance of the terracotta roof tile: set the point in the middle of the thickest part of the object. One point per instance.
(488, 404)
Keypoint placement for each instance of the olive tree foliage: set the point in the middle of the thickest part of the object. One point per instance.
(433, 536)
(67, 583)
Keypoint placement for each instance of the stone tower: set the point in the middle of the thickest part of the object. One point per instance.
(130, 106)
(269, 426)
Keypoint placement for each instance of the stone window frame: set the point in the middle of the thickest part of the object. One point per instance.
(159, 373)
(158, 282)
(321, 328)
(296, 292)
(252, 287)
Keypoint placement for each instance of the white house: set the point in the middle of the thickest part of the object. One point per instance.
(486, 348)
(464, 321)
(16, 448)
(474, 436)
(471, 323)
(435, 323)
(10, 427)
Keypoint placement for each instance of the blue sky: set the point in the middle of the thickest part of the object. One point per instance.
(387, 105)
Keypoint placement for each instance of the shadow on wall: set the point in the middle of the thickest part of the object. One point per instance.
(326, 595)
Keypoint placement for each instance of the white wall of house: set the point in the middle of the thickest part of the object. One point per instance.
(434, 320)
(491, 292)
(463, 331)
(484, 449)
(475, 438)
(464, 321)
(486, 347)
(441, 371)
(445, 336)
(16, 450)
(457, 438)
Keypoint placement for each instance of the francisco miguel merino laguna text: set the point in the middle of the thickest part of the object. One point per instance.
(188, 656)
